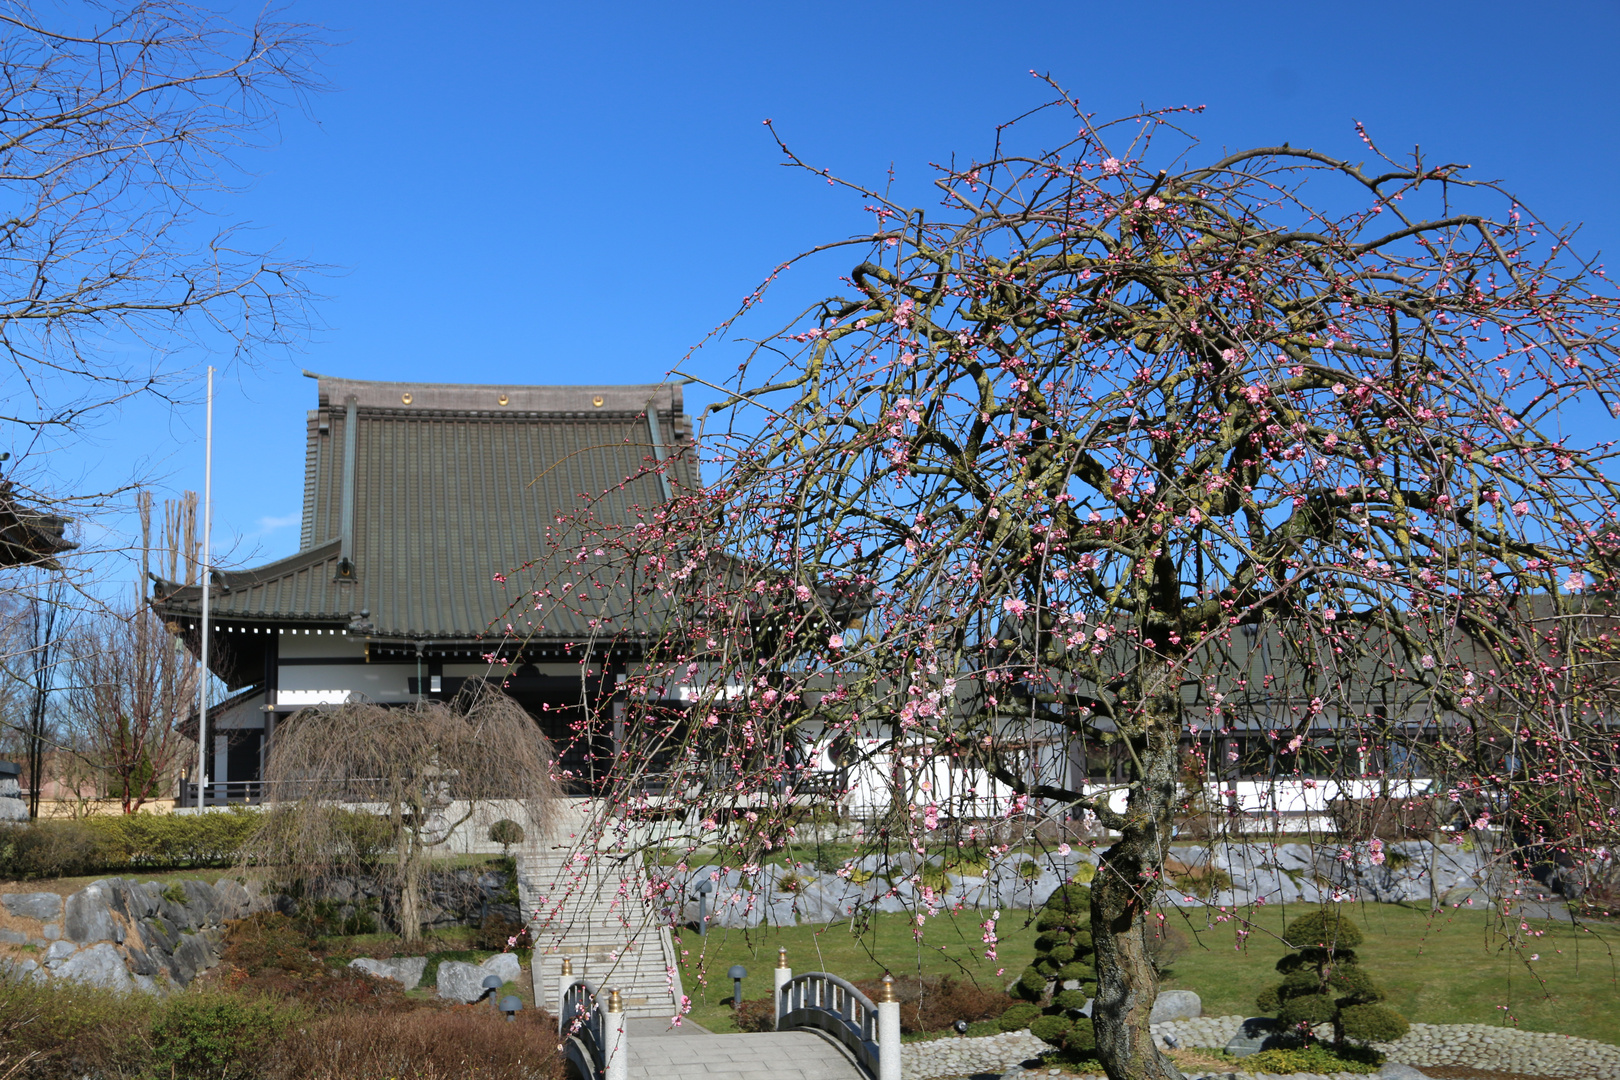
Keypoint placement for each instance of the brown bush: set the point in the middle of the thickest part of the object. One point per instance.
(1387, 818)
(495, 932)
(269, 941)
(755, 1014)
(427, 1044)
(267, 954)
(934, 1003)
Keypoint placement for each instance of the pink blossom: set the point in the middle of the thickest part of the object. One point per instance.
(1575, 582)
(836, 641)
(1338, 389)
(1328, 614)
(1014, 606)
(1110, 166)
(1427, 661)
(1376, 847)
(1063, 849)
(1521, 508)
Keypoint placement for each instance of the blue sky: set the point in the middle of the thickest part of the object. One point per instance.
(569, 193)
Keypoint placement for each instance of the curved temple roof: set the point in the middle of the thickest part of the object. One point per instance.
(452, 485)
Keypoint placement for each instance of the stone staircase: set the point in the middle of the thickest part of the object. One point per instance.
(591, 907)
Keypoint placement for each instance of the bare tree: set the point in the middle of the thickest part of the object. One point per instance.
(123, 130)
(1072, 447)
(431, 768)
(131, 682)
(130, 685)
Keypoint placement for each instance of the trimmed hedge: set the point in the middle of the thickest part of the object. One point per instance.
(73, 847)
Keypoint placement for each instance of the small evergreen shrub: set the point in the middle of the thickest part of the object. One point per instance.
(1063, 954)
(506, 832)
(1323, 983)
(1019, 1016)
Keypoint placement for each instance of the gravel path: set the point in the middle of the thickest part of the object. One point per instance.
(1478, 1046)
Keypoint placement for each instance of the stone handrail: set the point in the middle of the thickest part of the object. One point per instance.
(593, 1033)
(817, 999)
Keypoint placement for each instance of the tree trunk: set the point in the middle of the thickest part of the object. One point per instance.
(410, 889)
(1121, 898)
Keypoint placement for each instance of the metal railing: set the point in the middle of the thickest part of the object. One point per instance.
(817, 999)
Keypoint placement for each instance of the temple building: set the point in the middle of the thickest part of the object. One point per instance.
(425, 508)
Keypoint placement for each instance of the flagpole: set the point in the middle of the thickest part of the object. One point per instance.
(208, 524)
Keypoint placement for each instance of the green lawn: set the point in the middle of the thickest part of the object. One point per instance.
(1445, 970)
(1448, 969)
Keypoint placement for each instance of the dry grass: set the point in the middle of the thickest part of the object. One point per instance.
(427, 1044)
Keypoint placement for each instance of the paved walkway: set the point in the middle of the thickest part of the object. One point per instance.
(790, 1055)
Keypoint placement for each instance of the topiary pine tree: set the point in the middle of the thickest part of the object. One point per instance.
(1323, 983)
(1063, 956)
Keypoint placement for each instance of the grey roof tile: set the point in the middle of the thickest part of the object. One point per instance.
(451, 489)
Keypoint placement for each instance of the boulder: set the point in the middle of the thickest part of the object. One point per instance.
(234, 901)
(405, 970)
(1255, 1034)
(1176, 1005)
(99, 965)
(57, 954)
(22, 969)
(460, 982)
(506, 965)
(88, 919)
(43, 906)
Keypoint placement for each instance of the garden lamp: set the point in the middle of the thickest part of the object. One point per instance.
(704, 888)
(511, 1004)
(738, 973)
(492, 983)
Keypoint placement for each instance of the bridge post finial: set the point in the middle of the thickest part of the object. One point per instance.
(615, 1040)
(888, 1008)
(565, 979)
(781, 957)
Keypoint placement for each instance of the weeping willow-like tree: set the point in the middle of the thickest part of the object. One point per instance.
(381, 788)
(1135, 446)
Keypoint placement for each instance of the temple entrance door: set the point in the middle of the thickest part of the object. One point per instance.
(584, 749)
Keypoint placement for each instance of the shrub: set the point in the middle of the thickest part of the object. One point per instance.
(1084, 873)
(55, 848)
(506, 832)
(70, 1030)
(1063, 954)
(143, 841)
(269, 941)
(216, 1035)
(1201, 880)
(497, 933)
(755, 1014)
(1323, 983)
(935, 1003)
(1019, 1016)
(426, 1044)
(1316, 1058)
(1166, 947)
(1030, 870)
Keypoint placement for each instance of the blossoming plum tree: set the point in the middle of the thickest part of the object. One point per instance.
(1063, 449)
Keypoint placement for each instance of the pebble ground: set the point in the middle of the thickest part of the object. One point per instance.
(1479, 1046)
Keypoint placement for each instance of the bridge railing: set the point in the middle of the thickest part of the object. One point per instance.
(592, 1030)
(817, 999)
